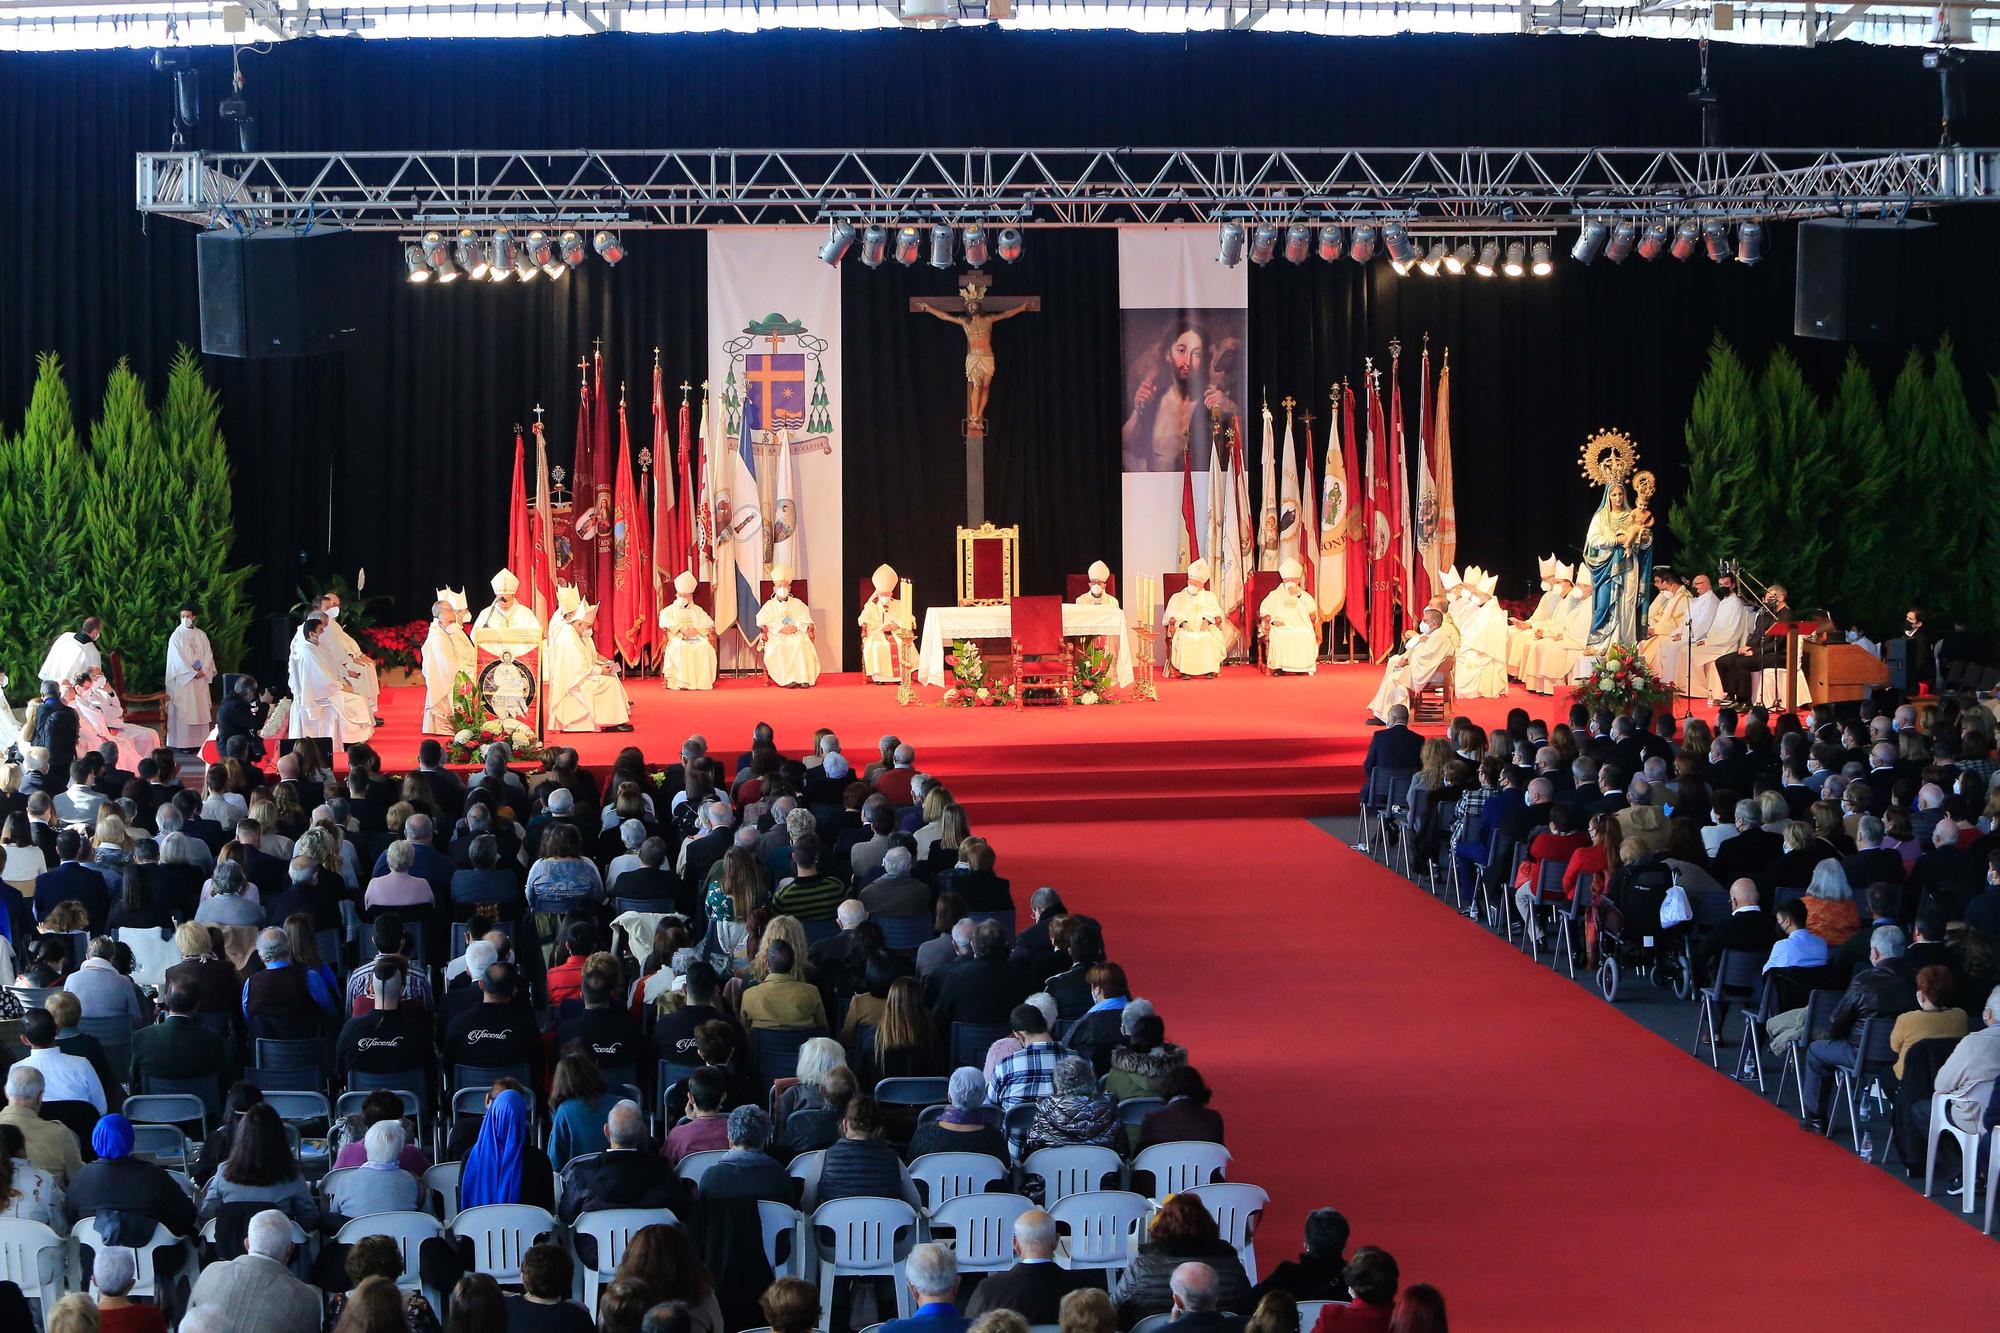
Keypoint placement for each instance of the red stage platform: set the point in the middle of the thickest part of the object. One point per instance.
(1292, 745)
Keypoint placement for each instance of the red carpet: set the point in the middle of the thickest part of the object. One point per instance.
(1296, 745)
(1504, 1133)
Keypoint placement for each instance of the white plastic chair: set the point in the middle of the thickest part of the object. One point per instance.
(442, 1180)
(1968, 1152)
(35, 1259)
(1309, 1313)
(151, 955)
(146, 1279)
(781, 1223)
(982, 1227)
(1076, 1169)
(864, 1238)
(802, 1169)
(944, 1176)
(1180, 1165)
(408, 1230)
(1236, 1208)
(612, 1229)
(695, 1165)
(500, 1234)
(1103, 1227)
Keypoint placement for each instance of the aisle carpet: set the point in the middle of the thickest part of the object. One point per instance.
(1548, 1163)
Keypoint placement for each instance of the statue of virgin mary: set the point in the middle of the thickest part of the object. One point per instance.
(1618, 547)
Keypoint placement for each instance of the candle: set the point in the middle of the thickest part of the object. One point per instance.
(908, 597)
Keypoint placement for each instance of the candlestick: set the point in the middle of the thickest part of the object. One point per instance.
(909, 598)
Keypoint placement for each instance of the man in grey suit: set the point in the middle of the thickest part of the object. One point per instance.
(258, 1291)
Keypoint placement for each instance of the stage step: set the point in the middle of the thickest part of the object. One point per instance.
(1067, 808)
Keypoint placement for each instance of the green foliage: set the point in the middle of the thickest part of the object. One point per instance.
(1861, 476)
(1788, 491)
(118, 512)
(1720, 515)
(200, 505)
(39, 474)
(356, 611)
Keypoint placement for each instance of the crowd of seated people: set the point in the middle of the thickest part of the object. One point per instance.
(738, 982)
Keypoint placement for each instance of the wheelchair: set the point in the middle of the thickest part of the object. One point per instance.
(1631, 940)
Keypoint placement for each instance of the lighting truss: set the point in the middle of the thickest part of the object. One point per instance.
(1427, 190)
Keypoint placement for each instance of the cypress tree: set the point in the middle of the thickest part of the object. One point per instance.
(1910, 422)
(201, 508)
(41, 471)
(1791, 482)
(1861, 476)
(1717, 516)
(1956, 491)
(134, 558)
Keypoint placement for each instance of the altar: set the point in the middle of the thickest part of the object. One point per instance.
(945, 624)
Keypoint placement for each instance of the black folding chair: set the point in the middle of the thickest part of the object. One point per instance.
(1571, 920)
(1851, 1087)
(1738, 974)
(1819, 1012)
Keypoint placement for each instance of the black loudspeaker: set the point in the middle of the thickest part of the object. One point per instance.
(277, 293)
(1866, 280)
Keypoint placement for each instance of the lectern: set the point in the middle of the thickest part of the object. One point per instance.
(508, 674)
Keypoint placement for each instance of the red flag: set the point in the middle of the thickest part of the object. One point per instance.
(669, 558)
(574, 537)
(1356, 521)
(686, 540)
(1309, 519)
(1399, 489)
(1190, 533)
(1423, 512)
(1382, 567)
(520, 546)
(603, 463)
(632, 558)
(539, 578)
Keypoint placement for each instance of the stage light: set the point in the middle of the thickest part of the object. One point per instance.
(1686, 237)
(1402, 250)
(538, 251)
(414, 267)
(1263, 244)
(839, 240)
(909, 244)
(1654, 243)
(502, 258)
(1229, 246)
(874, 246)
(1619, 248)
(472, 254)
(1590, 242)
(1489, 259)
(941, 245)
(1715, 235)
(976, 246)
(1543, 262)
(1298, 243)
(1332, 241)
(1459, 260)
(610, 248)
(437, 253)
(1432, 262)
(525, 269)
(1749, 242)
(1517, 255)
(1362, 248)
(1008, 245)
(571, 248)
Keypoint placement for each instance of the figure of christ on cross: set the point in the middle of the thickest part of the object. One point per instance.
(981, 314)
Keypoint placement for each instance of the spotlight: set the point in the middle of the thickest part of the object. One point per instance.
(1590, 242)
(975, 245)
(909, 244)
(538, 251)
(438, 255)
(414, 268)
(1715, 235)
(941, 245)
(1654, 243)
(1298, 243)
(503, 256)
(839, 240)
(1402, 250)
(1749, 242)
(525, 269)
(1432, 262)
(1516, 265)
(1362, 248)
(1489, 259)
(1263, 244)
(571, 248)
(1008, 246)
(471, 254)
(1459, 260)
(1619, 248)
(1544, 262)
(1229, 248)
(611, 249)
(1686, 237)
(874, 246)
(1332, 241)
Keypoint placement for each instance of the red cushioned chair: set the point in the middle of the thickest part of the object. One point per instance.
(763, 596)
(1263, 583)
(1041, 653)
(1076, 585)
(988, 565)
(1170, 584)
(145, 710)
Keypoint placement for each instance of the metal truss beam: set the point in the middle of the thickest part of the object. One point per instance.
(1429, 189)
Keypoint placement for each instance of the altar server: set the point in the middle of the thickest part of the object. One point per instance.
(1521, 634)
(1553, 656)
(324, 702)
(190, 670)
(1289, 618)
(688, 660)
(506, 612)
(448, 654)
(1099, 575)
(785, 634)
(886, 630)
(1194, 626)
(100, 719)
(73, 654)
(584, 693)
(1665, 645)
(1481, 670)
(1425, 653)
(358, 666)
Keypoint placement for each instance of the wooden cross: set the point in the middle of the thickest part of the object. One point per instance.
(978, 349)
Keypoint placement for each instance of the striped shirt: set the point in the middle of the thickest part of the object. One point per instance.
(814, 899)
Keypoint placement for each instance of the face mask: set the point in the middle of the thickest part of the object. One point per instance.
(333, 613)
(781, 591)
(187, 622)
(1097, 590)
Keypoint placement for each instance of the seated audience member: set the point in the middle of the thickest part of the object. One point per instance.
(1796, 945)
(1746, 928)
(1969, 1074)
(982, 989)
(1420, 1309)
(1372, 1278)
(861, 1163)
(1318, 1274)
(543, 1305)
(579, 1103)
(1882, 990)
(1831, 912)
(791, 1305)
(966, 1124)
(1035, 1286)
(119, 1183)
(625, 1174)
(504, 1165)
(258, 1291)
(747, 1171)
(379, 1106)
(1181, 1231)
(66, 1078)
(114, 1273)
(932, 1274)
(1087, 1311)
(1076, 1113)
(1102, 1026)
(379, 1184)
(781, 999)
(662, 1261)
(1936, 1014)
(374, 1266)
(261, 1169)
(707, 1126)
(29, 1193)
(178, 1046)
(1186, 1116)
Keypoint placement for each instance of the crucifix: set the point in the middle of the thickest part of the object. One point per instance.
(980, 314)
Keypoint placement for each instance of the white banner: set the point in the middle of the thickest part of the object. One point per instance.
(774, 355)
(1184, 325)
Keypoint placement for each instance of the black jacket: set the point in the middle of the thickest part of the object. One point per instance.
(178, 1048)
(621, 1178)
(55, 731)
(1881, 991)
(1392, 747)
(1144, 1289)
(979, 990)
(1746, 855)
(1032, 1290)
(129, 1185)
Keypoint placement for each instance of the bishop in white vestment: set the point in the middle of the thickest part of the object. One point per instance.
(324, 702)
(190, 671)
(584, 694)
(73, 655)
(1424, 655)
(1481, 668)
(1290, 618)
(358, 666)
(100, 719)
(1521, 633)
(785, 634)
(1665, 645)
(1194, 626)
(1553, 656)
(448, 654)
(505, 611)
(687, 659)
(886, 630)
(1099, 577)
(1727, 632)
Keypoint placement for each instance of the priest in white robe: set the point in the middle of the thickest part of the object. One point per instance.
(584, 694)
(10, 730)
(1097, 594)
(74, 654)
(887, 629)
(1554, 655)
(190, 672)
(1665, 647)
(785, 634)
(1481, 668)
(325, 703)
(100, 720)
(687, 658)
(1195, 637)
(358, 666)
(506, 611)
(1289, 619)
(1521, 633)
(1727, 632)
(1425, 653)
(448, 654)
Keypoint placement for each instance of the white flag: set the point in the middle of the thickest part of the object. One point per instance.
(1288, 499)
(717, 499)
(1267, 500)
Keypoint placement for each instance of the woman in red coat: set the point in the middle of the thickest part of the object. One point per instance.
(1556, 846)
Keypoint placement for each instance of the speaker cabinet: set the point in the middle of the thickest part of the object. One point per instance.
(277, 293)
(1866, 280)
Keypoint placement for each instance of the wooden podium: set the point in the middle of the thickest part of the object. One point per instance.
(508, 674)
(1841, 672)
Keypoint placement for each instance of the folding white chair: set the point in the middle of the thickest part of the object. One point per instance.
(1101, 1229)
(982, 1227)
(408, 1230)
(944, 1176)
(864, 1237)
(784, 1249)
(803, 1169)
(146, 1281)
(1070, 1170)
(500, 1234)
(1180, 1165)
(35, 1259)
(1237, 1209)
(612, 1229)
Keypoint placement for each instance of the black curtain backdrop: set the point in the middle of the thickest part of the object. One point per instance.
(402, 445)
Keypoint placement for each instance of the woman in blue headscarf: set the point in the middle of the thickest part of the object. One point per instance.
(503, 1166)
(118, 1182)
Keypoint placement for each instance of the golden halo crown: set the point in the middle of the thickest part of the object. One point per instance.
(1608, 456)
(1643, 485)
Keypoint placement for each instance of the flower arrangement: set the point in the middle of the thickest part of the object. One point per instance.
(394, 646)
(970, 687)
(1619, 679)
(472, 731)
(1090, 674)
